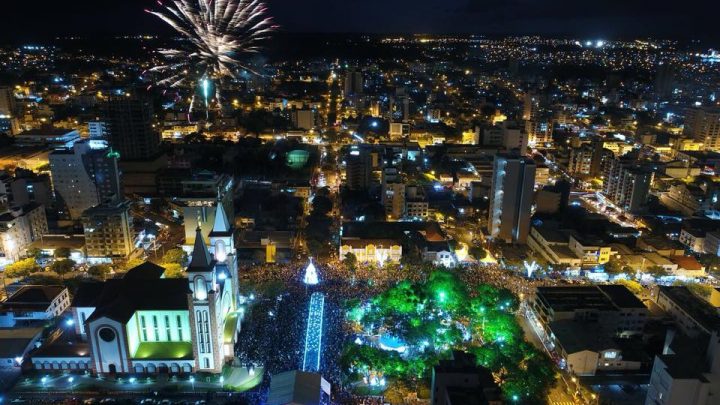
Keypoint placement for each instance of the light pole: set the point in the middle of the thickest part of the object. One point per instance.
(576, 387)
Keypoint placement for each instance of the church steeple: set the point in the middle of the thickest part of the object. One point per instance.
(222, 224)
(201, 259)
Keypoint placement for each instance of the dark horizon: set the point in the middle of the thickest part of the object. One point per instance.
(616, 19)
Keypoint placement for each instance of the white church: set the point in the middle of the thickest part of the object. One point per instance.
(145, 323)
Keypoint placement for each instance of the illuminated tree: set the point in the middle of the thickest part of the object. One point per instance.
(173, 270)
(176, 255)
(440, 315)
(21, 268)
(633, 286)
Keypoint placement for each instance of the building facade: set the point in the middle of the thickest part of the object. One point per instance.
(108, 230)
(19, 228)
(84, 177)
(703, 125)
(130, 132)
(628, 184)
(511, 198)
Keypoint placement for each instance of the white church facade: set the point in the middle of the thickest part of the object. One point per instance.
(145, 323)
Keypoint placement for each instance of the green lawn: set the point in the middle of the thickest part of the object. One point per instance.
(164, 351)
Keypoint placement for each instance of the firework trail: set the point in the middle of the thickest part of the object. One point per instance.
(219, 34)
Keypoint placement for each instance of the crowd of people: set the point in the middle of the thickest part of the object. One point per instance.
(273, 332)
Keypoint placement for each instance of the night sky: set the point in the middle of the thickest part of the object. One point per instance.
(25, 19)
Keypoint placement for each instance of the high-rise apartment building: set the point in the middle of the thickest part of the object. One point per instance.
(507, 134)
(97, 129)
(665, 78)
(25, 187)
(531, 117)
(128, 121)
(108, 230)
(511, 198)
(19, 228)
(353, 83)
(703, 125)
(84, 177)
(392, 195)
(7, 102)
(358, 169)
(580, 162)
(627, 184)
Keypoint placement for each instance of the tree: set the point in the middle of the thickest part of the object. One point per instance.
(173, 270)
(350, 261)
(62, 267)
(614, 267)
(396, 392)
(657, 271)
(21, 268)
(100, 271)
(62, 253)
(321, 205)
(36, 253)
(176, 255)
(701, 290)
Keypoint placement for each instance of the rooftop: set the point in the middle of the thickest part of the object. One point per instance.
(601, 298)
(578, 336)
(14, 342)
(551, 235)
(697, 308)
(49, 132)
(391, 230)
(140, 289)
(32, 297)
(164, 351)
(687, 263)
(63, 348)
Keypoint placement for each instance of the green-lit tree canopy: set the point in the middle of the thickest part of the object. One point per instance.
(440, 315)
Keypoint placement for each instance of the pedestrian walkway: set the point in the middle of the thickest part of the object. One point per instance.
(313, 334)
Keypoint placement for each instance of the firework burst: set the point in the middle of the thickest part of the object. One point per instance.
(219, 34)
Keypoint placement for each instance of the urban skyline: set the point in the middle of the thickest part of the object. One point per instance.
(610, 20)
(276, 203)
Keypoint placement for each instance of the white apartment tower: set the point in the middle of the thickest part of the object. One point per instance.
(511, 198)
